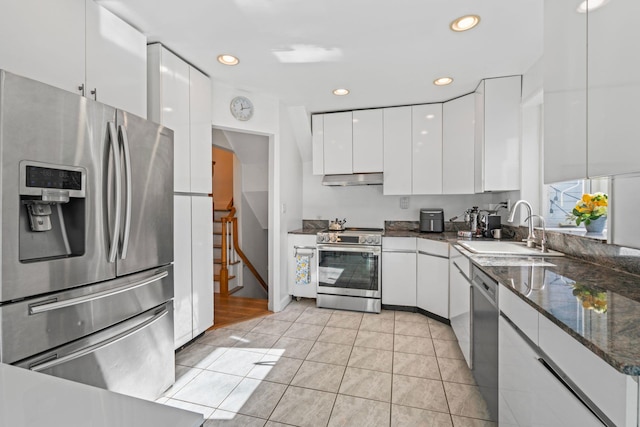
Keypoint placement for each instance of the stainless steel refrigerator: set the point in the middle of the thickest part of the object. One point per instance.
(86, 281)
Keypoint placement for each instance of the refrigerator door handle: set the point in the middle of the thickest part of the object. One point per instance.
(115, 232)
(122, 134)
(55, 305)
(95, 347)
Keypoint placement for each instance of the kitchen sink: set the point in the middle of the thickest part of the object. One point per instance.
(501, 248)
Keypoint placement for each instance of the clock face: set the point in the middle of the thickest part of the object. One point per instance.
(241, 108)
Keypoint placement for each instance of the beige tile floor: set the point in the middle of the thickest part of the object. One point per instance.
(312, 367)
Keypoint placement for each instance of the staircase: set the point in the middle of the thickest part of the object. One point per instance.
(233, 262)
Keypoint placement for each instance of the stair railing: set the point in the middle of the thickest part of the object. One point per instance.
(230, 249)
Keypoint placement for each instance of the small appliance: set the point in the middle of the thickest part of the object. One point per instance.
(432, 220)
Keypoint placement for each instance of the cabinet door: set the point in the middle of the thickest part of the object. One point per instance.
(565, 96)
(433, 284)
(317, 143)
(458, 119)
(305, 244)
(367, 141)
(44, 40)
(202, 263)
(116, 65)
(182, 304)
(338, 145)
(426, 130)
(200, 136)
(397, 151)
(502, 133)
(169, 106)
(613, 89)
(460, 305)
(399, 271)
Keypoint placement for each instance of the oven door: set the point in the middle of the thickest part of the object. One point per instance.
(349, 270)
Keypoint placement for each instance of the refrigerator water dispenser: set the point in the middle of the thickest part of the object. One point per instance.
(52, 212)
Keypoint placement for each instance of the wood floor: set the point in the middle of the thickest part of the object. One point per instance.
(228, 310)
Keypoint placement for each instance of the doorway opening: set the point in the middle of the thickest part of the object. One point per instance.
(240, 196)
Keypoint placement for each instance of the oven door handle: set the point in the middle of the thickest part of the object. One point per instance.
(350, 248)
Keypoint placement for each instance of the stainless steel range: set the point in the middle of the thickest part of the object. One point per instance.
(348, 265)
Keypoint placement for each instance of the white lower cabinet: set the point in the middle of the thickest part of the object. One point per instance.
(460, 301)
(432, 292)
(183, 310)
(530, 395)
(613, 392)
(193, 267)
(201, 263)
(301, 246)
(399, 271)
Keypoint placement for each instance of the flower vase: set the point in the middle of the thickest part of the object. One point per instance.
(596, 225)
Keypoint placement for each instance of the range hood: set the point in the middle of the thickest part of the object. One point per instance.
(353, 179)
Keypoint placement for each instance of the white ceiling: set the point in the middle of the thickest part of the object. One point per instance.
(387, 52)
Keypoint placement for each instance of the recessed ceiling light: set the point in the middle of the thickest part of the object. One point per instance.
(588, 6)
(443, 81)
(228, 59)
(341, 92)
(430, 116)
(465, 23)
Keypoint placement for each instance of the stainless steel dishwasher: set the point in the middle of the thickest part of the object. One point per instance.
(484, 309)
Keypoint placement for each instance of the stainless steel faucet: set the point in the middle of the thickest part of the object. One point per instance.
(531, 238)
(543, 241)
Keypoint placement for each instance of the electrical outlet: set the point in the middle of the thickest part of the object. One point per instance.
(509, 205)
(404, 202)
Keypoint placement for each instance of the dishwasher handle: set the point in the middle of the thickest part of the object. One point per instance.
(488, 289)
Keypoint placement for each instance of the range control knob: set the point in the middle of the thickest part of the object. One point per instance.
(369, 239)
(332, 237)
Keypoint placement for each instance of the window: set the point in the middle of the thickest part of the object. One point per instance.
(559, 199)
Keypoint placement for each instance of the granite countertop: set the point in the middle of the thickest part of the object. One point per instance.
(33, 399)
(309, 231)
(598, 306)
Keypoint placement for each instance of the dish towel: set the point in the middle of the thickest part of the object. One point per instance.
(303, 273)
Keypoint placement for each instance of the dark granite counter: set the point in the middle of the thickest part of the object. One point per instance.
(310, 231)
(598, 306)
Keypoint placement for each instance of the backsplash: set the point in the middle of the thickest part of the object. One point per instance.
(415, 226)
(590, 250)
(315, 224)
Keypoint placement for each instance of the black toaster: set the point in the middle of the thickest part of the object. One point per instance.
(432, 220)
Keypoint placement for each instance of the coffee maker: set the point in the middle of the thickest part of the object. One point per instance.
(491, 222)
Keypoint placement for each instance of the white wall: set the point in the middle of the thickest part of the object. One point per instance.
(366, 206)
(271, 119)
(288, 163)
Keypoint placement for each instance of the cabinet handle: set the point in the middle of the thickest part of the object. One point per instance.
(81, 89)
(94, 92)
(434, 255)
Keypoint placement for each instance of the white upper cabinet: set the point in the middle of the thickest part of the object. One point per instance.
(317, 143)
(367, 141)
(338, 143)
(458, 119)
(397, 151)
(180, 99)
(200, 128)
(426, 133)
(498, 134)
(613, 89)
(168, 81)
(78, 46)
(116, 52)
(44, 40)
(565, 92)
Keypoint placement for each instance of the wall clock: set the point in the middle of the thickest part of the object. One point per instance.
(241, 108)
